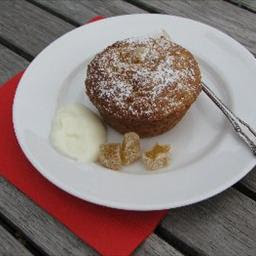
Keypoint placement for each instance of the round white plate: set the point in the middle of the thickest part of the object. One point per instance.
(207, 156)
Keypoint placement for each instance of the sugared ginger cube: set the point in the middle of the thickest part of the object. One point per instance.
(130, 151)
(110, 156)
(157, 157)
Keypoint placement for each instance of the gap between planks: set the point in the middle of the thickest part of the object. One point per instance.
(20, 236)
(249, 5)
(9, 246)
(55, 13)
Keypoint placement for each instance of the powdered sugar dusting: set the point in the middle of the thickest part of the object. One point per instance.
(143, 76)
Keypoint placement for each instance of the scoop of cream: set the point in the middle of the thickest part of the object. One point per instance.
(77, 132)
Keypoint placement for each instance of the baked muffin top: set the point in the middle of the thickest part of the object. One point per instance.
(143, 78)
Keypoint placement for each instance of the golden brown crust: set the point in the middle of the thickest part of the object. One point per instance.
(145, 86)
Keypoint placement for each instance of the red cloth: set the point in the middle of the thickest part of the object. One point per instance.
(109, 231)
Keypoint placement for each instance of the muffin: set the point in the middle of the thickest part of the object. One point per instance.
(143, 84)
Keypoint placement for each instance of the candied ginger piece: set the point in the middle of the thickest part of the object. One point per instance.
(110, 156)
(156, 157)
(130, 151)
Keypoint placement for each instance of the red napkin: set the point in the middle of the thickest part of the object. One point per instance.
(109, 231)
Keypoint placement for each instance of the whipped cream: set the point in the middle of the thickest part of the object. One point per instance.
(77, 132)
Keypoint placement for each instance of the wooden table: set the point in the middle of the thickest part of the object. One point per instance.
(223, 225)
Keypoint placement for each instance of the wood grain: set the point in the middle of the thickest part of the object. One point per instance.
(250, 4)
(155, 246)
(250, 181)
(76, 10)
(28, 27)
(31, 29)
(235, 21)
(10, 64)
(223, 225)
(9, 246)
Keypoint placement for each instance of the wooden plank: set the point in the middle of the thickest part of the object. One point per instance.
(223, 225)
(29, 27)
(235, 21)
(249, 4)
(155, 246)
(76, 9)
(10, 64)
(250, 180)
(50, 235)
(9, 246)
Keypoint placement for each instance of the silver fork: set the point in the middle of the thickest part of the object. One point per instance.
(240, 126)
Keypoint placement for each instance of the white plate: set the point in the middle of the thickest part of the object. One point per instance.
(207, 157)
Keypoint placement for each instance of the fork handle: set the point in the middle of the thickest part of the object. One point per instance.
(238, 124)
